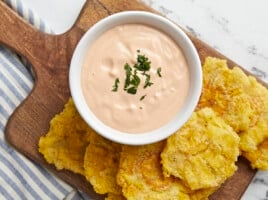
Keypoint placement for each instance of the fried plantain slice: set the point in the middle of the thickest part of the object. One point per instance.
(239, 99)
(223, 90)
(141, 177)
(65, 143)
(258, 130)
(203, 152)
(259, 157)
(101, 164)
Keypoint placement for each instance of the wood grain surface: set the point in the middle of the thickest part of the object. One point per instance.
(50, 57)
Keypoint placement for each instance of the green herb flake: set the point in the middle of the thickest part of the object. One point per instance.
(132, 90)
(142, 97)
(135, 80)
(159, 71)
(133, 75)
(115, 86)
(128, 70)
(143, 64)
(147, 81)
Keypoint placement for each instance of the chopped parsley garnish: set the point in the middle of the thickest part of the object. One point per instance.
(115, 86)
(133, 75)
(132, 80)
(147, 81)
(143, 64)
(135, 80)
(132, 90)
(142, 97)
(159, 71)
(128, 70)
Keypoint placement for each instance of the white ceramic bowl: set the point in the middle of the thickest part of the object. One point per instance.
(157, 22)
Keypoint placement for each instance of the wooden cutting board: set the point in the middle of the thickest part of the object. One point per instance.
(50, 57)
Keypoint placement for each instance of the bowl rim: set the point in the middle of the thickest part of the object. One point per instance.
(169, 28)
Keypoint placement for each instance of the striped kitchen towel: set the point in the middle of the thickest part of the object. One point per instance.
(19, 177)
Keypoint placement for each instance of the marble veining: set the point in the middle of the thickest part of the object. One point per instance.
(192, 31)
(261, 181)
(259, 73)
(237, 29)
(258, 189)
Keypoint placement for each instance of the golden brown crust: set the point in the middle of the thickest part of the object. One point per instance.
(140, 175)
(223, 91)
(101, 164)
(240, 100)
(65, 143)
(259, 157)
(203, 152)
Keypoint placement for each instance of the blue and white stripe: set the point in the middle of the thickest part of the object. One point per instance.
(28, 15)
(19, 177)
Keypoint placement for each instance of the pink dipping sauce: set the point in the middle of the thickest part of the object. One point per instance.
(104, 62)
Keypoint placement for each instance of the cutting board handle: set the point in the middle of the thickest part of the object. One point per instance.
(16, 33)
(42, 49)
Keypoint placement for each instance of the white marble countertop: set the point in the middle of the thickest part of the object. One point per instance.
(238, 29)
